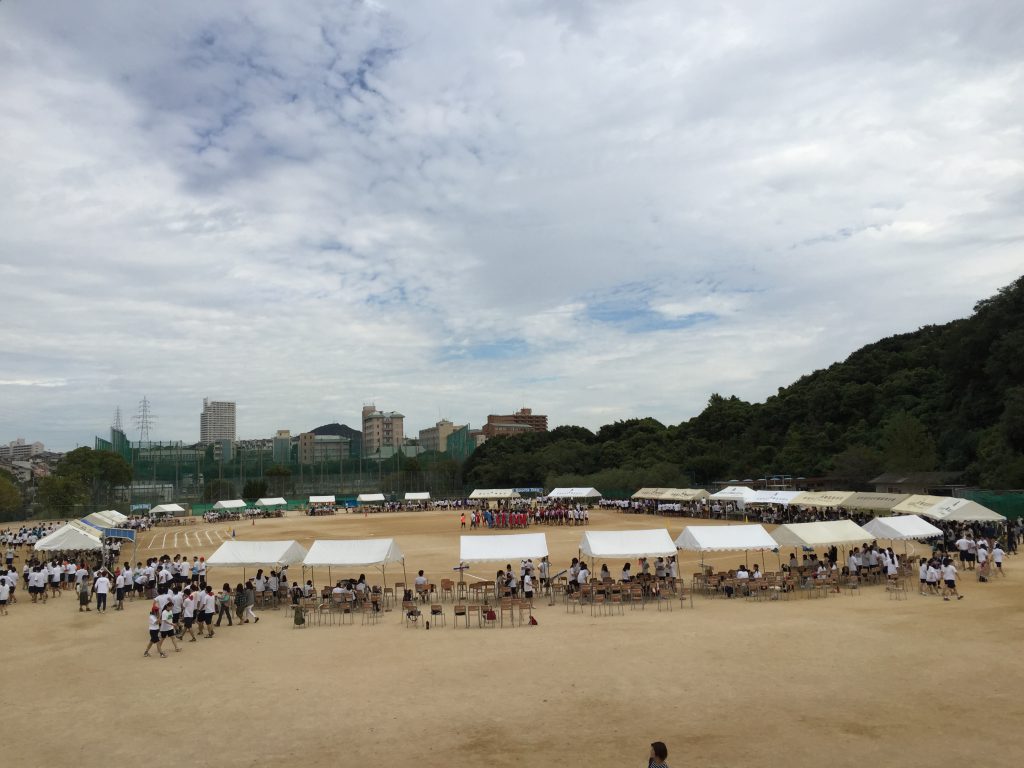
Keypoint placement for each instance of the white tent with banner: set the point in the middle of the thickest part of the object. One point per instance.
(417, 496)
(949, 509)
(72, 536)
(254, 554)
(822, 499)
(494, 494)
(321, 499)
(875, 502)
(773, 497)
(275, 501)
(353, 553)
(370, 498)
(627, 544)
(574, 493)
(902, 528)
(230, 504)
(167, 509)
(821, 534)
(725, 538)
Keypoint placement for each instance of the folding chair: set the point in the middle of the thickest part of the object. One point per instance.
(437, 614)
(460, 610)
(506, 607)
(369, 613)
(474, 610)
(615, 603)
(411, 614)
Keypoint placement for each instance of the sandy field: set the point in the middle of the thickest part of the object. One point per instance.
(844, 681)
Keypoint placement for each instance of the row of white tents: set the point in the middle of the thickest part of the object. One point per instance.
(87, 533)
(935, 507)
(594, 544)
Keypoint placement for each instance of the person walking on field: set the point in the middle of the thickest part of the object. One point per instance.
(239, 603)
(154, 630)
(224, 605)
(950, 575)
(250, 601)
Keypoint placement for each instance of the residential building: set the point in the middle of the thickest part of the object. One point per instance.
(282, 450)
(435, 438)
(498, 425)
(317, 449)
(19, 450)
(223, 450)
(503, 429)
(217, 421)
(381, 429)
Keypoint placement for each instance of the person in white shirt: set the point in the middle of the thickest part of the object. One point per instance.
(154, 631)
(949, 575)
(932, 577)
(101, 587)
(167, 629)
(5, 594)
(982, 555)
(997, 558)
(922, 575)
(119, 592)
(188, 614)
(583, 576)
(528, 586)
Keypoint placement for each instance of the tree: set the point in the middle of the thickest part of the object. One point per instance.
(61, 495)
(99, 472)
(254, 489)
(10, 498)
(906, 445)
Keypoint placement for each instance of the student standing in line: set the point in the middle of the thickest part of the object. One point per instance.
(209, 606)
(101, 587)
(188, 614)
(167, 629)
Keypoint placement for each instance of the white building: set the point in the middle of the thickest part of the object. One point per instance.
(19, 450)
(217, 421)
(381, 429)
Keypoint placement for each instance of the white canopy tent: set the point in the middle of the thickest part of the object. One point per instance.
(823, 499)
(627, 544)
(275, 501)
(114, 515)
(230, 504)
(167, 509)
(740, 494)
(74, 535)
(493, 494)
(370, 498)
(820, 534)
(574, 493)
(875, 502)
(350, 553)
(724, 538)
(417, 496)
(671, 494)
(961, 511)
(253, 554)
(773, 497)
(901, 528)
(321, 499)
(502, 547)
(917, 504)
(103, 519)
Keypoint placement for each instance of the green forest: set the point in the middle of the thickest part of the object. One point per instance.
(945, 397)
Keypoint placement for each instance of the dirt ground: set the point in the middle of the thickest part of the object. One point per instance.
(845, 681)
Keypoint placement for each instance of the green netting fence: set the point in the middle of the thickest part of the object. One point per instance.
(1007, 503)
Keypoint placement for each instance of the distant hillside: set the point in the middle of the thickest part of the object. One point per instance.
(946, 397)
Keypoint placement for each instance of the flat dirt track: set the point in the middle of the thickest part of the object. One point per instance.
(844, 681)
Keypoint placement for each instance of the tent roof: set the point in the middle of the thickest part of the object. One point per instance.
(102, 519)
(502, 547)
(114, 515)
(724, 538)
(901, 528)
(615, 544)
(171, 508)
(418, 496)
(574, 493)
(73, 535)
(321, 499)
(822, 498)
(275, 501)
(917, 504)
(370, 497)
(244, 554)
(494, 493)
(735, 493)
(773, 497)
(820, 534)
(961, 511)
(230, 504)
(353, 552)
(876, 502)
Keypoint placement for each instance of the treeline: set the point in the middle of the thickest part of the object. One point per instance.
(946, 397)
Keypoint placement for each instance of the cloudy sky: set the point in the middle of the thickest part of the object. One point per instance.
(601, 210)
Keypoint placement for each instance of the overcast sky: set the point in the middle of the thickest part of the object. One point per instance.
(602, 210)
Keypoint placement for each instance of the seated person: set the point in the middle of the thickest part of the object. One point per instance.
(605, 573)
(756, 574)
(421, 585)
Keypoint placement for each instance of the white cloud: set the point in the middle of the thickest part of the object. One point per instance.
(601, 210)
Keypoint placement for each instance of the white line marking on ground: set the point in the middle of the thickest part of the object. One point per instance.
(163, 542)
(175, 539)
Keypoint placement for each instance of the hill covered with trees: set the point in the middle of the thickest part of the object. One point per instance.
(945, 397)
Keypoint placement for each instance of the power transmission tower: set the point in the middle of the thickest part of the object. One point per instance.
(144, 419)
(117, 426)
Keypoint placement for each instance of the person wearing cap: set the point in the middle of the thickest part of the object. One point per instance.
(659, 754)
